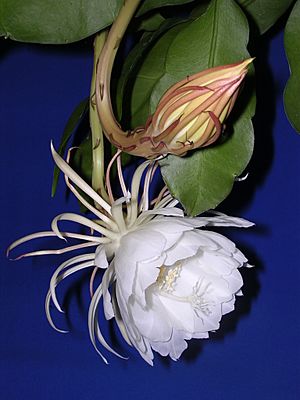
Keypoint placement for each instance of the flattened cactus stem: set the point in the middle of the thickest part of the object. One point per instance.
(96, 129)
(104, 69)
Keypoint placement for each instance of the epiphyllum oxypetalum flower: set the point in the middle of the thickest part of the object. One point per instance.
(189, 115)
(169, 280)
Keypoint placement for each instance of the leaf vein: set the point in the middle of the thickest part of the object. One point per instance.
(213, 43)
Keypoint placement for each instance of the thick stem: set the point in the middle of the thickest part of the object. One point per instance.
(104, 68)
(96, 129)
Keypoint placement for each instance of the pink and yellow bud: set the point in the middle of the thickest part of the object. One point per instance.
(189, 115)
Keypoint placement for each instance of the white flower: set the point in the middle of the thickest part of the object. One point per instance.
(165, 281)
(173, 282)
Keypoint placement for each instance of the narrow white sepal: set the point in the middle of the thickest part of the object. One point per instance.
(73, 176)
(94, 328)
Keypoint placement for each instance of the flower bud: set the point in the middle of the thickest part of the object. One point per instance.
(190, 114)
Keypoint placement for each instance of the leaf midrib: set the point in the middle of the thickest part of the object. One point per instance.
(214, 34)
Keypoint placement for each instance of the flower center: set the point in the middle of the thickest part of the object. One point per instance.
(167, 277)
(198, 299)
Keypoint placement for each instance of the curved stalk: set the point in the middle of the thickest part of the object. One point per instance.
(96, 129)
(103, 75)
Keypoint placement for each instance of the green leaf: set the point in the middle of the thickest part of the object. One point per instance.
(202, 180)
(151, 4)
(62, 21)
(151, 23)
(130, 65)
(70, 127)
(265, 12)
(220, 36)
(200, 9)
(292, 48)
(55, 21)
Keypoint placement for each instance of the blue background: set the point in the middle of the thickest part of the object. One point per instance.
(256, 353)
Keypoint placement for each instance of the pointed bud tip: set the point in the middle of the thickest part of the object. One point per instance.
(244, 64)
(249, 60)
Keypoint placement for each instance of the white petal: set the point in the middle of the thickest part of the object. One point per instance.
(228, 306)
(138, 341)
(100, 257)
(222, 220)
(174, 347)
(208, 323)
(167, 225)
(152, 322)
(188, 245)
(235, 281)
(106, 281)
(135, 247)
(145, 275)
(180, 314)
(119, 320)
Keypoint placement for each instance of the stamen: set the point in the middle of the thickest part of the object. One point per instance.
(168, 276)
